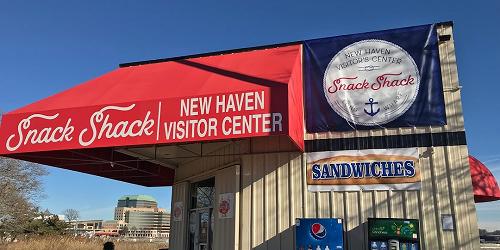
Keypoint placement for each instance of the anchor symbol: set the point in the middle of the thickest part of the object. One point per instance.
(371, 103)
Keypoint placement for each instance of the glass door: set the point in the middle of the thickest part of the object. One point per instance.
(205, 228)
(201, 218)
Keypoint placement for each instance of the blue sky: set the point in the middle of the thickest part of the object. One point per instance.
(49, 46)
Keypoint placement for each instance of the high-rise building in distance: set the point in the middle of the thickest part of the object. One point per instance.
(142, 217)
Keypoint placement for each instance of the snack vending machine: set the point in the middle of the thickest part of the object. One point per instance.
(319, 234)
(393, 234)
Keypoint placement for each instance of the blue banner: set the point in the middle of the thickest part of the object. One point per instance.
(374, 80)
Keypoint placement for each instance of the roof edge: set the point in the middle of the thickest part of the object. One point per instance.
(214, 53)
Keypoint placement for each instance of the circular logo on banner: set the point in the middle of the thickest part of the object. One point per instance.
(318, 231)
(371, 82)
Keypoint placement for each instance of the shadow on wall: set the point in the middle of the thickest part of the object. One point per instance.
(283, 240)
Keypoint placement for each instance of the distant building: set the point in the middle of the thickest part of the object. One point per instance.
(111, 228)
(139, 216)
(136, 216)
(86, 227)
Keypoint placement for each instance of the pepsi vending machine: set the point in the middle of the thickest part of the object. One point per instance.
(393, 234)
(319, 234)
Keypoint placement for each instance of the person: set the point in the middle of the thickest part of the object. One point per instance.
(109, 246)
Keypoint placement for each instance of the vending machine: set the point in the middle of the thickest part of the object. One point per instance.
(319, 234)
(393, 234)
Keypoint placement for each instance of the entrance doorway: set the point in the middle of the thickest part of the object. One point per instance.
(201, 216)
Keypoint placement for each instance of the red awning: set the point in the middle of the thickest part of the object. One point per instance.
(483, 182)
(231, 96)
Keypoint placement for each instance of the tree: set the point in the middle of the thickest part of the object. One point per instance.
(72, 215)
(20, 189)
(46, 223)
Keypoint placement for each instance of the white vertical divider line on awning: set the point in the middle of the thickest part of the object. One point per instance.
(158, 123)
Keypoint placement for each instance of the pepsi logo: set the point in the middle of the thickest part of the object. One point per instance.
(318, 231)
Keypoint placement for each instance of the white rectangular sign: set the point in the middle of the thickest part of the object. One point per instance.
(373, 169)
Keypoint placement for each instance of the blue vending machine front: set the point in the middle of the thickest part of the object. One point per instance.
(319, 234)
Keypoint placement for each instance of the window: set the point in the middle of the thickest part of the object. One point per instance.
(202, 194)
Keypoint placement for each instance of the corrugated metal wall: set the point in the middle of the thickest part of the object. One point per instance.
(274, 193)
(272, 196)
(273, 190)
(224, 165)
(227, 180)
(178, 229)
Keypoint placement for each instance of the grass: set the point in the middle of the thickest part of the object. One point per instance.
(64, 242)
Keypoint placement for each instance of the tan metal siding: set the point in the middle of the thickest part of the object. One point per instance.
(257, 201)
(178, 229)
(246, 208)
(266, 204)
(270, 201)
(226, 233)
(267, 192)
(355, 207)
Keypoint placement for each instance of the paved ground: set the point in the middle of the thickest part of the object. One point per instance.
(490, 246)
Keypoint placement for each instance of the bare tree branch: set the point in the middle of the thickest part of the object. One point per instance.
(20, 189)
